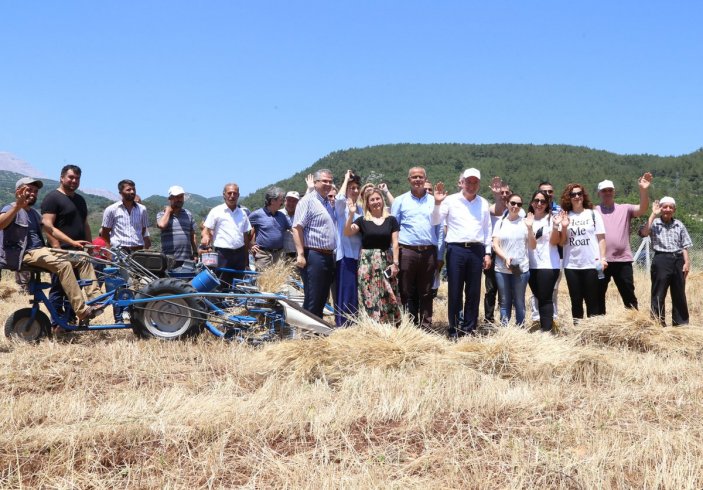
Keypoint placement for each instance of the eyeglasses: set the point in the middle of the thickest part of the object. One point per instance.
(324, 181)
(518, 204)
(539, 201)
(550, 191)
(576, 194)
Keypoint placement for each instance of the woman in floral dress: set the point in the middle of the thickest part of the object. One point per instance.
(378, 262)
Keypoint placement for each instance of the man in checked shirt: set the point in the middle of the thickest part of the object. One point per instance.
(671, 264)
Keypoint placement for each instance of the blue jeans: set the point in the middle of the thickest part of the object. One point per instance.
(512, 293)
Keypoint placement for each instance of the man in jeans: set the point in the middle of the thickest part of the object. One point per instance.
(617, 218)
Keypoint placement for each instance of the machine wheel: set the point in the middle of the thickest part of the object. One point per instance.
(21, 325)
(169, 319)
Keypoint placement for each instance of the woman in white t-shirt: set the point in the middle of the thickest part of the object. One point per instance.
(510, 235)
(545, 263)
(583, 239)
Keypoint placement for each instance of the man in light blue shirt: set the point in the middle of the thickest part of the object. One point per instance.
(418, 247)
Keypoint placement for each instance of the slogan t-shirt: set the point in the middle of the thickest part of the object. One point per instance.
(581, 250)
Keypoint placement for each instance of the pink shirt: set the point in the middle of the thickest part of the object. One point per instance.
(617, 231)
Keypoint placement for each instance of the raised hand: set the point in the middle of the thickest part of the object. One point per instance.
(383, 187)
(351, 206)
(563, 218)
(529, 219)
(22, 197)
(310, 181)
(645, 180)
(496, 184)
(439, 192)
(656, 208)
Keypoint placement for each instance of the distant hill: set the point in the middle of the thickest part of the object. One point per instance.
(523, 166)
(12, 163)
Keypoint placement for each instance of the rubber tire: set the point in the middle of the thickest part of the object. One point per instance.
(17, 325)
(168, 320)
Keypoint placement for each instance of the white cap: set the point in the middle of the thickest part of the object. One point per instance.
(606, 184)
(175, 190)
(471, 172)
(667, 200)
(293, 194)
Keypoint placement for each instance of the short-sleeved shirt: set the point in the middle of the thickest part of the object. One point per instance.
(288, 242)
(316, 217)
(414, 215)
(228, 226)
(270, 228)
(71, 213)
(34, 236)
(375, 236)
(545, 255)
(126, 226)
(512, 237)
(617, 231)
(175, 237)
(581, 250)
(669, 237)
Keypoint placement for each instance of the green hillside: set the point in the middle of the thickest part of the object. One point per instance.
(523, 166)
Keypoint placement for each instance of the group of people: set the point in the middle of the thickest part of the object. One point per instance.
(372, 252)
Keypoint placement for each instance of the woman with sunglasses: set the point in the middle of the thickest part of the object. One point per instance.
(545, 263)
(583, 238)
(510, 239)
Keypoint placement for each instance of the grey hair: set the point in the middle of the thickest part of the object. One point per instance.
(272, 194)
(318, 173)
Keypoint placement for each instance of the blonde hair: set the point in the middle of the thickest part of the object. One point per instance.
(367, 209)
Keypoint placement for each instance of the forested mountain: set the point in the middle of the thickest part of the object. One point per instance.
(523, 166)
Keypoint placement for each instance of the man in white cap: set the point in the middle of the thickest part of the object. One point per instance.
(671, 264)
(177, 228)
(468, 220)
(617, 218)
(21, 242)
(289, 205)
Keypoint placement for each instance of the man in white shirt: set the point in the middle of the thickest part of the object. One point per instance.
(228, 230)
(468, 220)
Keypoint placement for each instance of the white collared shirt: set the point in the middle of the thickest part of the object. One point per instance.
(228, 226)
(467, 221)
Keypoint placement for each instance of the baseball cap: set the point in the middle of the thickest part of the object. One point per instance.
(471, 172)
(667, 200)
(606, 184)
(293, 194)
(175, 190)
(27, 181)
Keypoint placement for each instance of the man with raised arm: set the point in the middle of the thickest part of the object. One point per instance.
(617, 219)
(23, 243)
(468, 219)
(177, 228)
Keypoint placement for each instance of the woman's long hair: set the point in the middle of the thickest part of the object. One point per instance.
(566, 197)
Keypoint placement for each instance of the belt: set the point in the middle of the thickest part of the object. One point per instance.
(323, 251)
(466, 244)
(675, 254)
(230, 249)
(418, 248)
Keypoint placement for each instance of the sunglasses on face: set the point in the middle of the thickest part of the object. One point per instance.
(518, 204)
(550, 192)
(576, 194)
(539, 201)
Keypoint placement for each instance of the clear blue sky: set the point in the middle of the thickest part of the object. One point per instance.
(201, 93)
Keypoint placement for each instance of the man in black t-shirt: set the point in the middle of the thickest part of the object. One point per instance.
(65, 220)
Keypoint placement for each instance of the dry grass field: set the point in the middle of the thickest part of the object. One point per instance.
(613, 403)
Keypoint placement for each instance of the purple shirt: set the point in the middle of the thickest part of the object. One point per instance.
(617, 231)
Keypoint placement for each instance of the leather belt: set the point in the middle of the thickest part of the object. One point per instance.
(675, 254)
(132, 249)
(418, 248)
(270, 250)
(466, 244)
(323, 251)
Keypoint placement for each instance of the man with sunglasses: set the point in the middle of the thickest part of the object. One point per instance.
(617, 218)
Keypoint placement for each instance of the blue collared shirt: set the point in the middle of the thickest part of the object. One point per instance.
(347, 246)
(415, 218)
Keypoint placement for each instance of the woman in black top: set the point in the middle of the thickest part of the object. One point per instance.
(378, 263)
